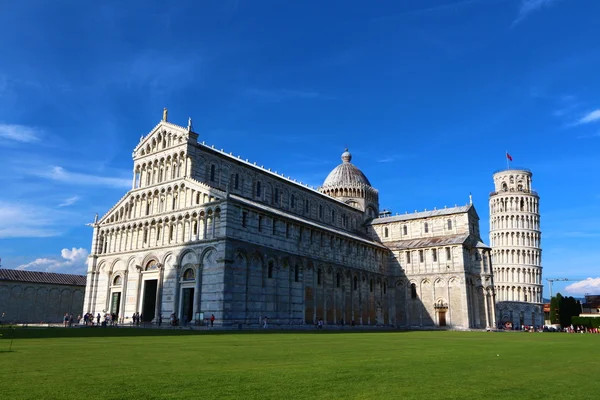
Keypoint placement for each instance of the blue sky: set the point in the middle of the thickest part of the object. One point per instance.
(427, 94)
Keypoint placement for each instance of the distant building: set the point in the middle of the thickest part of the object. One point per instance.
(39, 297)
(591, 306)
(204, 232)
(515, 237)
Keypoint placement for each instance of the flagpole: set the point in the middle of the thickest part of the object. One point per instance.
(507, 160)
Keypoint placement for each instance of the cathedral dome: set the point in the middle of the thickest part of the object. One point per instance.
(346, 174)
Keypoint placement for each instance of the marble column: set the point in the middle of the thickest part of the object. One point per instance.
(485, 306)
(161, 274)
(197, 290)
(123, 297)
(176, 307)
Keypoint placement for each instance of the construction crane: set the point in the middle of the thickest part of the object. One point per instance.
(552, 280)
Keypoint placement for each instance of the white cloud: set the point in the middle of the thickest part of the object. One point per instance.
(589, 285)
(69, 202)
(60, 174)
(19, 133)
(529, 6)
(592, 116)
(29, 220)
(73, 261)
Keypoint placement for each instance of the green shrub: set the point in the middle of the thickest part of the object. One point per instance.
(588, 322)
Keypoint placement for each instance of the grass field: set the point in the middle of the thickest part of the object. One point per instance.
(147, 364)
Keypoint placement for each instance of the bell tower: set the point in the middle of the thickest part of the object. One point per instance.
(515, 237)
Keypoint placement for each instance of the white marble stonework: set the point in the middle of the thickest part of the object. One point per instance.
(515, 237)
(204, 232)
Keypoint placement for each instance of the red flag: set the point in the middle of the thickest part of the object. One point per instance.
(508, 156)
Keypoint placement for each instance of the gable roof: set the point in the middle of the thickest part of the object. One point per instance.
(292, 217)
(419, 243)
(42, 277)
(425, 214)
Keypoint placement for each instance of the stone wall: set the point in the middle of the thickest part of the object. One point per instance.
(26, 302)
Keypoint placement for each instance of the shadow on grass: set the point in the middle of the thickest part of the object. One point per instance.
(83, 332)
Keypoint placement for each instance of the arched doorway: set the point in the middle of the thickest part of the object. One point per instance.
(116, 294)
(188, 283)
(441, 308)
(149, 291)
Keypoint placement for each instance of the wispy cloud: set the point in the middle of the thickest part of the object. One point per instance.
(592, 116)
(60, 174)
(280, 95)
(425, 10)
(69, 201)
(589, 285)
(528, 7)
(19, 133)
(71, 261)
(28, 220)
(590, 136)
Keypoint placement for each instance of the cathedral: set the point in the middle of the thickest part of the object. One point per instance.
(205, 233)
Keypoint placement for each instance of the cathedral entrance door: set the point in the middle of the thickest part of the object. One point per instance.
(149, 305)
(187, 305)
(115, 303)
(442, 318)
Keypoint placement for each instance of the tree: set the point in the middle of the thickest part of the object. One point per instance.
(563, 309)
(555, 308)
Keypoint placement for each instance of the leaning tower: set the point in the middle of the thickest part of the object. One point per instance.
(515, 238)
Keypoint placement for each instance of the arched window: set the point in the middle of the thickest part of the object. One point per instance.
(319, 276)
(371, 286)
(258, 189)
(384, 288)
(189, 275)
(236, 181)
(405, 230)
(338, 280)
(504, 187)
(426, 227)
(270, 270)
(413, 291)
(522, 205)
(385, 232)
(355, 283)
(449, 224)
(292, 201)
(212, 173)
(152, 265)
(118, 281)
(296, 273)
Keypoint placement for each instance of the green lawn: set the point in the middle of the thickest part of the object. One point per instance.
(146, 364)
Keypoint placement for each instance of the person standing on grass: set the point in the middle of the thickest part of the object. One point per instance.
(159, 320)
(212, 320)
(98, 319)
(66, 319)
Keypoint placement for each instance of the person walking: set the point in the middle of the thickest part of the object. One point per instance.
(212, 320)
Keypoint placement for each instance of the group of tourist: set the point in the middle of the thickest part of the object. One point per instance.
(579, 329)
(136, 318)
